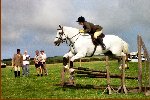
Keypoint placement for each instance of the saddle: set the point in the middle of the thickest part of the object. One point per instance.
(99, 40)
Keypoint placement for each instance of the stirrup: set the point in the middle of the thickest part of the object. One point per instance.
(104, 47)
(95, 42)
(66, 67)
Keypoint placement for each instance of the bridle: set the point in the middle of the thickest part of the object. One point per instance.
(61, 34)
(66, 37)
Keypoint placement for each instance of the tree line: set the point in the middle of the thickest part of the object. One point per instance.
(58, 59)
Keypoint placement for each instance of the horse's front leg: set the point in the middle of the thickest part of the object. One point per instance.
(65, 61)
(71, 70)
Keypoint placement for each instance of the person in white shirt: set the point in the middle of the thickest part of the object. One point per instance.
(38, 63)
(44, 62)
(25, 67)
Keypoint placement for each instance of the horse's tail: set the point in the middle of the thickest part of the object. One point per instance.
(125, 48)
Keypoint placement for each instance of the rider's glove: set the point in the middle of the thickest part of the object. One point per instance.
(81, 31)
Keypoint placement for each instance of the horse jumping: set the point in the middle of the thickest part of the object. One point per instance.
(82, 46)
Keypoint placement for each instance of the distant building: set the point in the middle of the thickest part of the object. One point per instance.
(133, 57)
(3, 65)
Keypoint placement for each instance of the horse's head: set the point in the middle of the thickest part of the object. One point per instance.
(60, 37)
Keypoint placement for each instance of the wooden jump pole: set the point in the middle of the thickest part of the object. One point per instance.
(139, 63)
(62, 76)
(109, 88)
(146, 67)
(63, 72)
(122, 88)
(80, 62)
(108, 76)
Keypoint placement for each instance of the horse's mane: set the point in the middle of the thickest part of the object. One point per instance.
(75, 30)
(70, 28)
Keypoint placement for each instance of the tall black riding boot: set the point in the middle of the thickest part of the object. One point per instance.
(15, 73)
(100, 41)
(103, 46)
(19, 73)
(95, 42)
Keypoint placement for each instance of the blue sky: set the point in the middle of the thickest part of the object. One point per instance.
(32, 24)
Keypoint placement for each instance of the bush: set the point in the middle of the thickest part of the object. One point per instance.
(59, 59)
(94, 59)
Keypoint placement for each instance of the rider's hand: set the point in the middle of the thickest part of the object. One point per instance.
(81, 31)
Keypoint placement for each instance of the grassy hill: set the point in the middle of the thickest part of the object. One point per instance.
(47, 87)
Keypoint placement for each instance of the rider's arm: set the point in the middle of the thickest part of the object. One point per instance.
(87, 28)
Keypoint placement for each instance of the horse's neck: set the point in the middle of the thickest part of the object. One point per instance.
(71, 33)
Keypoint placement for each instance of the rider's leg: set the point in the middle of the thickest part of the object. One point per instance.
(98, 33)
(99, 40)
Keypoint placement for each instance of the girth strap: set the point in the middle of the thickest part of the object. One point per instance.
(94, 50)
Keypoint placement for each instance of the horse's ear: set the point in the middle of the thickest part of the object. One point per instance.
(60, 26)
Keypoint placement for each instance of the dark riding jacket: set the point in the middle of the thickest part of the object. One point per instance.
(91, 28)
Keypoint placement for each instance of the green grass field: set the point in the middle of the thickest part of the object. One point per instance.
(46, 86)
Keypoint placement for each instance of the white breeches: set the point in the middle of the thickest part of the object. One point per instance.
(17, 68)
(98, 33)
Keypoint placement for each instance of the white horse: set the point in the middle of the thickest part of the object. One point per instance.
(82, 45)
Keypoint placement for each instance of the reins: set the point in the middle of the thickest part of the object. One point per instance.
(66, 37)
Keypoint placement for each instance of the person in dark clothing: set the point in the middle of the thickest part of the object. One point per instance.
(94, 30)
(17, 62)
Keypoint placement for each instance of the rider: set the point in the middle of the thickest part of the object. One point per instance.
(94, 30)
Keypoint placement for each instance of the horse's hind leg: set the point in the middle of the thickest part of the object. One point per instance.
(119, 55)
(126, 62)
(113, 56)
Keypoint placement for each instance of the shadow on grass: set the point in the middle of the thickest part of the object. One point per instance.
(81, 86)
(102, 87)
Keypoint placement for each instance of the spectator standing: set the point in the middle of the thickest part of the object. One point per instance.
(25, 67)
(44, 62)
(17, 63)
(38, 63)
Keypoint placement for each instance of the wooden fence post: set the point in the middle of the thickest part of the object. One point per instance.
(108, 77)
(62, 76)
(139, 63)
(122, 88)
(80, 62)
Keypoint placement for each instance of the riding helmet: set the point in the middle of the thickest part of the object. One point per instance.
(81, 19)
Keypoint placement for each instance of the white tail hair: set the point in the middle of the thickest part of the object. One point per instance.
(125, 47)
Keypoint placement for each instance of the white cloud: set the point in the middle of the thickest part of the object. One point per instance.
(36, 20)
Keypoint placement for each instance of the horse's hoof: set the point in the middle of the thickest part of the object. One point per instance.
(71, 70)
(62, 83)
(66, 67)
(71, 84)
